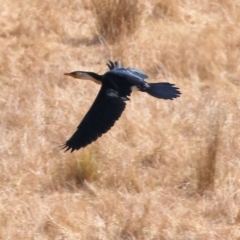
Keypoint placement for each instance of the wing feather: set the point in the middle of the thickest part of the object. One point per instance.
(117, 66)
(104, 112)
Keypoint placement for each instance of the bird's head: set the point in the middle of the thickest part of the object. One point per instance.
(85, 75)
(79, 75)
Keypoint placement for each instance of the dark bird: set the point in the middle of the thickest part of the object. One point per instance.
(117, 85)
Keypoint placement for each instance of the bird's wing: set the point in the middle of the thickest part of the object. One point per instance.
(125, 78)
(114, 65)
(117, 65)
(137, 73)
(105, 111)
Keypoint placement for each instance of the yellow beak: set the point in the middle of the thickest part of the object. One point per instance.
(68, 74)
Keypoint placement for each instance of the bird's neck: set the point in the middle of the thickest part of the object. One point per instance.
(95, 76)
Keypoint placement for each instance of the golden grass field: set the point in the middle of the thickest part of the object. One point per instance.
(167, 169)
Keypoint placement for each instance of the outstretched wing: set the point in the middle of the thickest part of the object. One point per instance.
(105, 111)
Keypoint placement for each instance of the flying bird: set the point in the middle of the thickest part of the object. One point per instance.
(117, 85)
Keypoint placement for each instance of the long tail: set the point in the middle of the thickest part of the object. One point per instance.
(163, 90)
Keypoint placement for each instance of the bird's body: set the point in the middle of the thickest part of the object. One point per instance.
(117, 85)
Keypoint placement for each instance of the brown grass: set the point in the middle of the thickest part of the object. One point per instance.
(114, 19)
(166, 170)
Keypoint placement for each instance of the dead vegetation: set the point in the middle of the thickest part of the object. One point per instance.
(115, 19)
(166, 170)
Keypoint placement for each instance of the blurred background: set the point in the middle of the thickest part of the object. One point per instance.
(167, 169)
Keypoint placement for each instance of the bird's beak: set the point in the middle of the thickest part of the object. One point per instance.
(68, 74)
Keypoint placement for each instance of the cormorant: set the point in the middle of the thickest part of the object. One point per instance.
(117, 85)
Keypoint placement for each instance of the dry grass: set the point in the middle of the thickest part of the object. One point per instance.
(167, 170)
(114, 19)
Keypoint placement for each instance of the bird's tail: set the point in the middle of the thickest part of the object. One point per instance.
(163, 90)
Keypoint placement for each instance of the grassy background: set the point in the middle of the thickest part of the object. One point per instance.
(167, 169)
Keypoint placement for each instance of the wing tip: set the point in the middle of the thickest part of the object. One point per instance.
(66, 148)
(114, 64)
